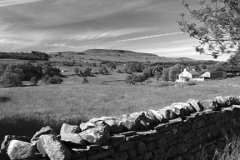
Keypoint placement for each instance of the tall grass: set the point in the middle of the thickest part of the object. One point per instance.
(229, 150)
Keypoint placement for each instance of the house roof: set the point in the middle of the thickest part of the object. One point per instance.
(193, 72)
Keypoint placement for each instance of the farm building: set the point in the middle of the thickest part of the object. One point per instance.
(218, 73)
(232, 71)
(187, 75)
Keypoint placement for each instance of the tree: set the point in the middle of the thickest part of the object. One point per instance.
(34, 80)
(234, 60)
(76, 70)
(103, 70)
(10, 79)
(132, 78)
(165, 74)
(174, 71)
(217, 26)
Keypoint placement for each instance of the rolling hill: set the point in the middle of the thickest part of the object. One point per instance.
(120, 55)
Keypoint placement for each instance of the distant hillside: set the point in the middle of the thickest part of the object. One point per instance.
(121, 55)
(111, 52)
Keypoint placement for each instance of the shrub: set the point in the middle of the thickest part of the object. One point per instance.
(165, 74)
(76, 70)
(87, 72)
(165, 84)
(132, 78)
(174, 71)
(10, 79)
(54, 80)
(103, 83)
(191, 84)
(103, 70)
(85, 80)
(34, 80)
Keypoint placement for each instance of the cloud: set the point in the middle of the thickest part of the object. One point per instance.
(4, 3)
(147, 37)
(95, 35)
(14, 41)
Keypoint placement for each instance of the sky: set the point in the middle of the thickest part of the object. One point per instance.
(76, 25)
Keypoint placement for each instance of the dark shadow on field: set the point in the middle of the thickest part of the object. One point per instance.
(4, 99)
(28, 125)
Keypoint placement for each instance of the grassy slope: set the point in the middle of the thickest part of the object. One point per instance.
(26, 110)
(117, 55)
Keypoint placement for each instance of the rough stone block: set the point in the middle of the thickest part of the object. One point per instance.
(67, 128)
(43, 131)
(48, 144)
(117, 139)
(98, 135)
(132, 153)
(125, 146)
(7, 140)
(20, 150)
(148, 155)
(120, 156)
(73, 138)
(141, 148)
(107, 153)
(151, 146)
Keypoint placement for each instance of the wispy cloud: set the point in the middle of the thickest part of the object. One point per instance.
(4, 3)
(94, 35)
(146, 37)
(14, 41)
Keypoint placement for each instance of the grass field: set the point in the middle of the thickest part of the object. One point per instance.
(25, 110)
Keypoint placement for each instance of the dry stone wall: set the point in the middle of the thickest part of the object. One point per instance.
(182, 131)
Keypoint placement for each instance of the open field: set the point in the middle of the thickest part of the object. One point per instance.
(25, 110)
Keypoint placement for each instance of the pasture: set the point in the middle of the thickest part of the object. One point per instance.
(24, 110)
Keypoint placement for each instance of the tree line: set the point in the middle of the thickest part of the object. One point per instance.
(34, 55)
(14, 74)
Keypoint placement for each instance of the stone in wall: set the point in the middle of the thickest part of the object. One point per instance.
(98, 135)
(43, 131)
(113, 123)
(131, 122)
(196, 104)
(67, 128)
(20, 150)
(167, 113)
(49, 145)
(7, 140)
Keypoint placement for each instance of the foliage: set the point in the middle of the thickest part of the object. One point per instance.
(153, 71)
(165, 84)
(50, 70)
(217, 26)
(112, 65)
(86, 72)
(191, 84)
(28, 70)
(132, 78)
(34, 55)
(53, 80)
(34, 80)
(77, 71)
(103, 70)
(134, 67)
(165, 74)
(10, 79)
(85, 80)
(234, 59)
(174, 71)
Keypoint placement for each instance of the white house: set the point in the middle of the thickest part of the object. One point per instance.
(187, 75)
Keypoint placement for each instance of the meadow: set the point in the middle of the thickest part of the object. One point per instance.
(24, 110)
